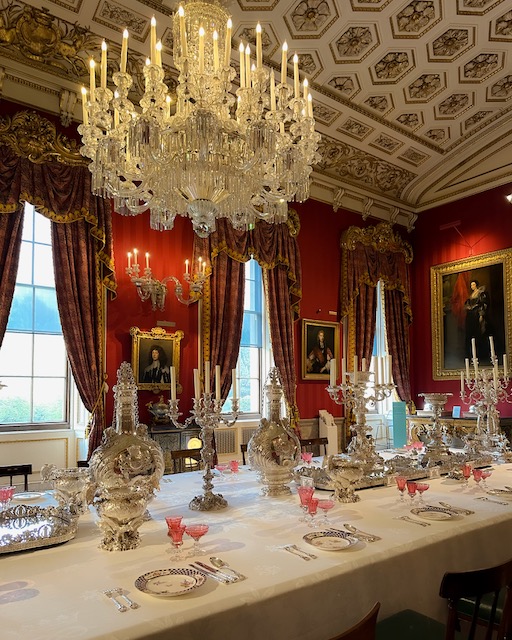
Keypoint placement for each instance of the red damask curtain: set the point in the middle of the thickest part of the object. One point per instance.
(82, 237)
(370, 255)
(276, 250)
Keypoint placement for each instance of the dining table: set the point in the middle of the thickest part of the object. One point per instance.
(58, 592)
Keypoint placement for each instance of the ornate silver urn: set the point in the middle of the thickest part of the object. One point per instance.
(71, 487)
(125, 469)
(274, 449)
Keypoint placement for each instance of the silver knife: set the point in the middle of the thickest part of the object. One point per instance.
(295, 552)
(209, 574)
(225, 576)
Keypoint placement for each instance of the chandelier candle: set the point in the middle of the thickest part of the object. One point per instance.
(225, 152)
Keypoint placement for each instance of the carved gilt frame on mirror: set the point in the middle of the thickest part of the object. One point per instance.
(470, 298)
(153, 354)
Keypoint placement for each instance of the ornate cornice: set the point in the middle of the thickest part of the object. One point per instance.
(381, 237)
(29, 135)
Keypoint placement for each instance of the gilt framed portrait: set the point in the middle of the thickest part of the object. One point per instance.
(320, 344)
(153, 354)
(471, 299)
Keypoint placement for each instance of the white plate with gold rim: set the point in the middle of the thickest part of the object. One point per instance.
(25, 496)
(435, 513)
(331, 540)
(166, 583)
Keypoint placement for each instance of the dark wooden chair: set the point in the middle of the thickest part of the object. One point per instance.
(364, 629)
(186, 460)
(12, 470)
(481, 592)
(82, 464)
(243, 449)
(314, 444)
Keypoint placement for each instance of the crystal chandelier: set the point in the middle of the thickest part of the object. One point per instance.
(218, 155)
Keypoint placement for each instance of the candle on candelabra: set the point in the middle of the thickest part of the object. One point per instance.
(248, 66)
(495, 377)
(332, 372)
(92, 80)
(259, 54)
(124, 52)
(85, 115)
(284, 62)
(462, 383)
(173, 383)
(505, 366)
(272, 91)
(233, 383)
(473, 348)
(375, 366)
(207, 376)
(241, 51)
(197, 387)
(147, 260)
(201, 49)
(343, 371)
(355, 369)
(215, 51)
(153, 39)
(363, 364)
(129, 259)
(186, 267)
(183, 35)
(103, 68)
(390, 369)
(296, 84)
(158, 52)
(217, 382)
(467, 368)
(227, 48)
(491, 344)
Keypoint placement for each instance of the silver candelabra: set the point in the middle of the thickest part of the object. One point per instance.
(485, 389)
(356, 391)
(207, 414)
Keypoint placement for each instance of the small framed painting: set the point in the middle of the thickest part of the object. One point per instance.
(320, 345)
(153, 354)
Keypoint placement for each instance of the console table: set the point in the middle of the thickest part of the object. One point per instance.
(171, 439)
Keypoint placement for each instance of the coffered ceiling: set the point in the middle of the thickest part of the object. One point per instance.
(413, 98)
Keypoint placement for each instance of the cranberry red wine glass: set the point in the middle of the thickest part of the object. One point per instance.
(401, 483)
(305, 495)
(196, 532)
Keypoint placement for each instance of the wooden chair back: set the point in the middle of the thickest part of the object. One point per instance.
(483, 589)
(364, 629)
(12, 470)
(186, 460)
(243, 449)
(309, 444)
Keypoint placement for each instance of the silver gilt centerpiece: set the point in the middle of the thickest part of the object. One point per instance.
(274, 448)
(125, 469)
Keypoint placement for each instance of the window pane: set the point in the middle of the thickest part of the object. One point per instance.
(49, 355)
(15, 400)
(43, 266)
(46, 317)
(16, 356)
(42, 229)
(28, 222)
(25, 265)
(250, 395)
(20, 318)
(251, 330)
(49, 395)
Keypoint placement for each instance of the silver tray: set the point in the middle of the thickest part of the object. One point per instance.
(25, 527)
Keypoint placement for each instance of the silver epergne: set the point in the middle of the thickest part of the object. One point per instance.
(437, 451)
(207, 413)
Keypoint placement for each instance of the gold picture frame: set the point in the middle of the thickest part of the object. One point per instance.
(147, 375)
(451, 299)
(316, 366)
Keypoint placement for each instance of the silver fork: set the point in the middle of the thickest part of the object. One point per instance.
(111, 593)
(412, 521)
(296, 552)
(131, 603)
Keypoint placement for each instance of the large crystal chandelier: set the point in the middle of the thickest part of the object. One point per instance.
(218, 155)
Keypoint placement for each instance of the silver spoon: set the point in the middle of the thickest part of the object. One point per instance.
(217, 562)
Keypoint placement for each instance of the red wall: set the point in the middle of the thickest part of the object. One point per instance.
(486, 225)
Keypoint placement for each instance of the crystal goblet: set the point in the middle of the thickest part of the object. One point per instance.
(312, 510)
(477, 476)
(173, 522)
(486, 473)
(196, 532)
(6, 494)
(325, 504)
(307, 457)
(466, 472)
(401, 483)
(176, 535)
(222, 468)
(234, 466)
(421, 488)
(412, 486)
(305, 495)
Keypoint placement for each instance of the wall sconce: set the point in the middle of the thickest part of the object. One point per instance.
(149, 288)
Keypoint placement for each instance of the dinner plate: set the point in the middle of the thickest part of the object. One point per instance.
(27, 495)
(331, 540)
(435, 513)
(165, 583)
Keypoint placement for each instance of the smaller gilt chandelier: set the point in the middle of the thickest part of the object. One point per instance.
(218, 155)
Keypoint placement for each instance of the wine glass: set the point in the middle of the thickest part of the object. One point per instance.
(307, 457)
(305, 495)
(466, 472)
(325, 504)
(173, 522)
(486, 473)
(401, 482)
(176, 535)
(222, 468)
(6, 494)
(477, 476)
(312, 509)
(234, 466)
(411, 489)
(421, 488)
(196, 532)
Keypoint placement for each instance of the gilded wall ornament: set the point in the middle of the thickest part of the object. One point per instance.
(380, 237)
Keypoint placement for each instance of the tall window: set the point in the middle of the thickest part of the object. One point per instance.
(380, 343)
(254, 356)
(33, 363)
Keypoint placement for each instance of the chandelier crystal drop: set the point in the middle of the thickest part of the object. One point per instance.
(219, 155)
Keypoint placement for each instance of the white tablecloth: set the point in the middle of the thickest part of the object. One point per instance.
(56, 593)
